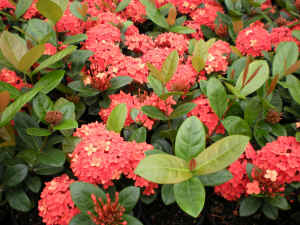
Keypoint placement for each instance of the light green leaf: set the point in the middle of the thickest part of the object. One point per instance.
(52, 9)
(128, 197)
(293, 85)
(182, 109)
(190, 139)
(22, 7)
(190, 196)
(169, 66)
(236, 125)
(39, 132)
(156, 85)
(163, 169)
(117, 118)
(122, 5)
(181, 29)
(66, 124)
(220, 154)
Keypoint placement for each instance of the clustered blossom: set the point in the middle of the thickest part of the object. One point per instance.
(10, 77)
(281, 34)
(275, 165)
(217, 59)
(103, 156)
(56, 206)
(172, 41)
(253, 40)
(107, 212)
(205, 113)
(135, 102)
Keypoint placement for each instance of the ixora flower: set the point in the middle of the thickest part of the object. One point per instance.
(253, 40)
(253, 187)
(109, 212)
(56, 206)
(103, 156)
(10, 77)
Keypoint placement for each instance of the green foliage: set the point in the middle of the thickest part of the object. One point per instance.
(117, 118)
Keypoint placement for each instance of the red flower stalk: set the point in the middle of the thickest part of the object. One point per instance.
(109, 213)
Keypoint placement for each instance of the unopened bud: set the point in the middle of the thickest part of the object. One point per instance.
(53, 117)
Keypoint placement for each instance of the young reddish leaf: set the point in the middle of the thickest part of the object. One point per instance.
(172, 16)
(4, 100)
(246, 71)
(272, 85)
(253, 75)
(293, 68)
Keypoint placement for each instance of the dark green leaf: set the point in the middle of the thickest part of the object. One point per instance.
(131, 220)
(39, 31)
(34, 183)
(183, 109)
(22, 7)
(50, 81)
(167, 194)
(279, 202)
(190, 196)
(83, 90)
(66, 107)
(270, 211)
(75, 39)
(119, 81)
(81, 195)
(190, 139)
(69, 144)
(128, 197)
(81, 219)
(249, 206)
(236, 125)
(217, 96)
(215, 179)
(154, 112)
(52, 157)
(41, 104)
(15, 175)
(18, 199)
(47, 170)
(79, 59)
(139, 135)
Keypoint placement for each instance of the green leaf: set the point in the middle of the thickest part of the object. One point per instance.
(154, 14)
(34, 183)
(128, 197)
(236, 125)
(286, 55)
(249, 206)
(293, 85)
(181, 29)
(66, 124)
(13, 92)
(55, 58)
(198, 63)
(258, 74)
(154, 112)
(183, 109)
(298, 136)
(156, 73)
(131, 220)
(75, 6)
(47, 170)
(40, 132)
(69, 144)
(18, 199)
(39, 31)
(81, 219)
(52, 157)
(52, 9)
(31, 57)
(190, 139)
(81, 195)
(169, 66)
(270, 211)
(22, 7)
(119, 81)
(296, 34)
(117, 117)
(13, 47)
(66, 107)
(190, 196)
(75, 39)
(41, 104)
(83, 90)
(217, 96)
(220, 154)
(167, 194)
(15, 174)
(163, 169)
(253, 110)
(156, 85)
(279, 202)
(139, 135)
(50, 81)
(122, 5)
(216, 178)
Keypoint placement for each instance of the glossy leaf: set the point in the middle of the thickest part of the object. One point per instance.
(163, 169)
(139, 135)
(34, 183)
(55, 58)
(220, 154)
(66, 124)
(217, 96)
(190, 139)
(52, 157)
(117, 117)
(18, 199)
(190, 196)
(40, 132)
(31, 57)
(128, 197)
(169, 66)
(81, 195)
(249, 206)
(183, 109)
(154, 112)
(167, 194)
(15, 174)
(41, 104)
(83, 90)
(119, 81)
(216, 178)
(236, 125)
(286, 55)
(52, 9)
